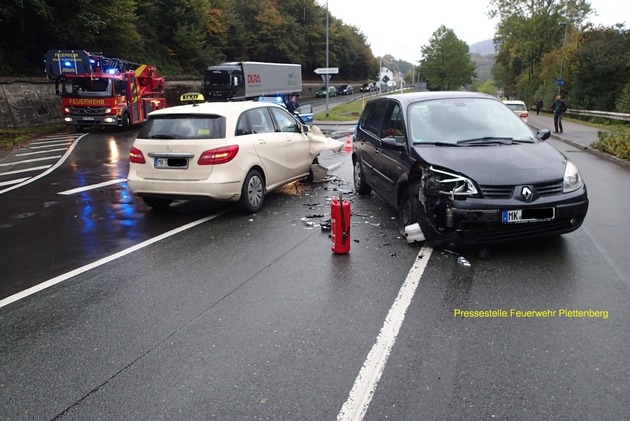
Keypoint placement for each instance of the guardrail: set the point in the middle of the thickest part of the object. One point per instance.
(600, 114)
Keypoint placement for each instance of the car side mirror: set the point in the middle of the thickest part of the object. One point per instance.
(305, 129)
(543, 134)
(391, 143)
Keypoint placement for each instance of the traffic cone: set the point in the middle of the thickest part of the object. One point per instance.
(348, 147)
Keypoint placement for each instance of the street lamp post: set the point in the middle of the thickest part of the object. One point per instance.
(564, 46)
(327, 77)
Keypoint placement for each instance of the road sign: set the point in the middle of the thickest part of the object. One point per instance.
(560, 82)
(327, 71)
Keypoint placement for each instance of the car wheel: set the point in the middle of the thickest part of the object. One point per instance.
(125, 123)
(156, 202)
(407, 211)
(360, 185)
(253, 192)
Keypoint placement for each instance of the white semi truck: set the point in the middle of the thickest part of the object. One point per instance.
(238, 81)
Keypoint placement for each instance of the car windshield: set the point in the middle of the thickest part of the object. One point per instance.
(177, 126)
(457, 121)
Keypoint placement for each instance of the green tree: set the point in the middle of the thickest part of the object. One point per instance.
(601, 67)
(446, 63)
(527, 30)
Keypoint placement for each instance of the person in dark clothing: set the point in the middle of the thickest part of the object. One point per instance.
(558, 107)
(539, 105)
(293, 104)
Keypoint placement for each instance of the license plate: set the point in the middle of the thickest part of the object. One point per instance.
(88, 118)
(528, 215)
(170, 163)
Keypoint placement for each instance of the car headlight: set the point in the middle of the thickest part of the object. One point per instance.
(572, 180)
(448, 183)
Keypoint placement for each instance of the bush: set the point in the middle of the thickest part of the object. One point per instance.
(615, 143)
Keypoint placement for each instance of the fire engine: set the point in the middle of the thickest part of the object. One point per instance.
(98, 91)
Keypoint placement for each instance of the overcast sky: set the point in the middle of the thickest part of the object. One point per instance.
(402, 27)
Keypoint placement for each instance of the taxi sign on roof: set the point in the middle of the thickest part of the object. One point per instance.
(192, 97)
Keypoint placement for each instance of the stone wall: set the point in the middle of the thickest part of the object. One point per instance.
(26, 103)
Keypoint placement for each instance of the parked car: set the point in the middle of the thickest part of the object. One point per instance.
(367, 87)
(225, 151)
(466, 169)
(519, 108)
(345, 90)
(321, 92)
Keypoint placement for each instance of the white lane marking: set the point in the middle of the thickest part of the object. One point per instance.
(10, 182)
(26, 161)
(93, 186)
(42, 167)
(40, 152)
(43, 145)
(365, 384)
(49, 170)
(82, 269)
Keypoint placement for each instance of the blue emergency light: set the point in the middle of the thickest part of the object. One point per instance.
(67, 63)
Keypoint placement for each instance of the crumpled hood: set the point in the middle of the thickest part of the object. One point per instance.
(320, 143)
(524, 163)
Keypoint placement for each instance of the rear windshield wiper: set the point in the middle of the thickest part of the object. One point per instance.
(161, 136)
(488, 140)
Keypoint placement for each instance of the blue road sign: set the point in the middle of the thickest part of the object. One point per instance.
(560, 82)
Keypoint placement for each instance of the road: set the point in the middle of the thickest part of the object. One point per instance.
(111, 310)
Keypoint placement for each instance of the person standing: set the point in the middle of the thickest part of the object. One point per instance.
(292, 104)
(559, 107)
(539, 105)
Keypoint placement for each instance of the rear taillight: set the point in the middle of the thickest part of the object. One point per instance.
(524, 115)
(136, 156)
(218, 155)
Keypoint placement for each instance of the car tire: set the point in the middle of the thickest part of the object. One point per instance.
(407, 211)
(360, 186)
(253, 192)
(125, 122)
(157, 202)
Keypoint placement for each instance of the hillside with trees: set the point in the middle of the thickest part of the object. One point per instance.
(181, 37)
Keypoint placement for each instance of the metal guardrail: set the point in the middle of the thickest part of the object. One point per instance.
(600, 114)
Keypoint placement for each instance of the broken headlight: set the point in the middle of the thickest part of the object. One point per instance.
(443, 182)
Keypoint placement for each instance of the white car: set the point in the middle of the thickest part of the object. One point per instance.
(519, 108)
(225, 151)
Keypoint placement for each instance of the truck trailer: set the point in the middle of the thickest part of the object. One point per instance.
(249, 80)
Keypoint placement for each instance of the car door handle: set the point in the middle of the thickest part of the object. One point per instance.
(262, 141)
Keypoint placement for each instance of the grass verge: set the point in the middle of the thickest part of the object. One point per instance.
(10, 138)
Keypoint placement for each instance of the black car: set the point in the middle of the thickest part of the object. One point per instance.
(367, 87)
(466, 169)
(345, 90)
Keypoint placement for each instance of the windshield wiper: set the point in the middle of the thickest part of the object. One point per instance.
(436, 144)
(488, 140)
(161, 136)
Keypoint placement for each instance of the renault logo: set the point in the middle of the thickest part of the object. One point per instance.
(527, 194)
(169, 148)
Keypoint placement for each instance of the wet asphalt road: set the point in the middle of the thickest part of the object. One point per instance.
(253, 317)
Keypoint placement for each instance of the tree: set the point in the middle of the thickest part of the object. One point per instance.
(446, 63)
(601, 68)
(527, 30)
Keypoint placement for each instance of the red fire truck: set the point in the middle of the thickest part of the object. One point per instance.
(99, 91)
